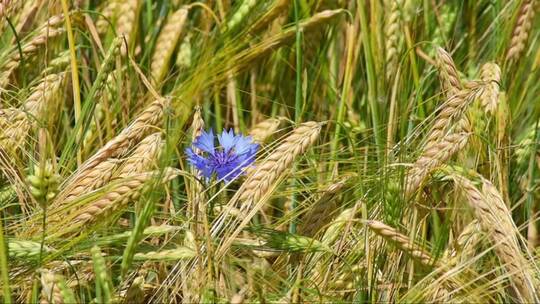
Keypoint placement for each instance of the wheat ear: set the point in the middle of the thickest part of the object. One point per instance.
(108, 12)
(144, 157)
(261, 131)
(267, 172)
(391, 34)
(402, 242)
(279, 7)
(95, 178)
(166, 43)
(14, 126)
(521, 30)
(323, 210)
(128, 189)
(490, 74)
(434, 155)
(128, 14)
(120, 145)
(180, 253)
(495, 219)
(466, 243)
(119, 196)
(196, 194)
(25, 250)
(262, 49)
(8, 8)
(52, 29)
(42, 95)
(50, 292)
(261, 181)
(448, 73)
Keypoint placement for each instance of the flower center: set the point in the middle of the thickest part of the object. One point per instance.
(222, 158)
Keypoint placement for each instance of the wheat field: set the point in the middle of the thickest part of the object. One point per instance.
(278, 151)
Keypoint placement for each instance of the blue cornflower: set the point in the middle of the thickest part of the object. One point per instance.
(227, 161)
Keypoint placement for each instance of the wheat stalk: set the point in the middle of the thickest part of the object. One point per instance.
(521, 30)
(402, 242)
(496, 220)
(166, 43)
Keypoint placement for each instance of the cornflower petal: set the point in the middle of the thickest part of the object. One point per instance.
(244, 144)
(198, 161)
(227, 140)
(205, 142)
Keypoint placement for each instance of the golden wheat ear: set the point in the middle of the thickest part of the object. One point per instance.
(521, 30)
(166, 43)
(496, 220)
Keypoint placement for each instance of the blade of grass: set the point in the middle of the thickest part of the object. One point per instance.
(74, 72)
(4, 265)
